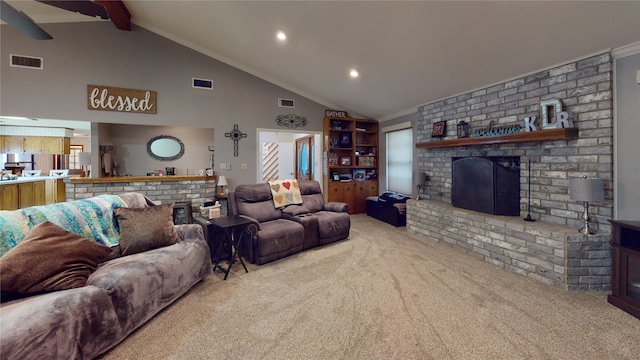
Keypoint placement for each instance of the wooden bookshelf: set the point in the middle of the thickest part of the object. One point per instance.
(351, 149)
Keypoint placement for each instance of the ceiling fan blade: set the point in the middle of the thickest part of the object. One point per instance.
(22, 22)
(84, 7)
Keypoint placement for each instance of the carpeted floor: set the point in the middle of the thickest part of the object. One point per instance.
(383, 294)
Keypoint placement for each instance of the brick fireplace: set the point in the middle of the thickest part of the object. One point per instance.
(549, 249)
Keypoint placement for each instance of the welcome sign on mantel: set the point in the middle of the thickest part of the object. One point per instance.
(122, 100)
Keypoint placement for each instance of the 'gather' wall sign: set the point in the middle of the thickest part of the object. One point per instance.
(119, 99)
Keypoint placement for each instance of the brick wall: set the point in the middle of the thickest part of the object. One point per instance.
(549, 250)
(195, 191)
(550, 253)
(585, 89)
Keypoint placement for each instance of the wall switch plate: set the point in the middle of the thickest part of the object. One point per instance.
(223, 166)
(228, 166)
(243, 166)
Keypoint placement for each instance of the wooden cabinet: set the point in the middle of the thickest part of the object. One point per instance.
(12, 144)
(341, 191)
(32, 144)
(351, 158)
(54, 191)
(25, 195)
(35, 145)
(39, 193)
(9, 199)
(362, 190)
(56, 145)
(22, 195)
(625, 266)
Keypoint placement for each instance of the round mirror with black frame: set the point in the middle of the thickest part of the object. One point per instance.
(165, 148)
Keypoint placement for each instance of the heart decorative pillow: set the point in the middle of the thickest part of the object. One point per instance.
(285, 192)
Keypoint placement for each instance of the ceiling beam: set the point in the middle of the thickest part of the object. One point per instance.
(118, 13)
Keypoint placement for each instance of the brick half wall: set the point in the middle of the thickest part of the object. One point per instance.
(554, 254)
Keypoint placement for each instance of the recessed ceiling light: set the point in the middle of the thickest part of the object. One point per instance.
(354, 73)
(281, 36)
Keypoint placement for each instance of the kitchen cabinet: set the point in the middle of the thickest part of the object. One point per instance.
(54, 191)
(12, 144)
(39, 191)
(9, 199)
(35, 145)
(56, 145)
(32, 144)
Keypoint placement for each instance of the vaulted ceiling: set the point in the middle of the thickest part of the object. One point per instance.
(407, 53)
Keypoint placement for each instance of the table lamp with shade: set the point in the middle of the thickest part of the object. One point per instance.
(586, 190)
(84, 160)
(222, 182)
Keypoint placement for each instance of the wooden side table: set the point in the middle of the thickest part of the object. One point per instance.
(235, 231)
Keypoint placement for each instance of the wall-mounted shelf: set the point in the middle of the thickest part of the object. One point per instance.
(540, 135)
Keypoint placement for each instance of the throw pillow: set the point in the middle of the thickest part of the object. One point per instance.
(285, 192)
(50, 258)
(146, 228)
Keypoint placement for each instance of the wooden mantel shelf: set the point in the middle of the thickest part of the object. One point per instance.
(540, 135)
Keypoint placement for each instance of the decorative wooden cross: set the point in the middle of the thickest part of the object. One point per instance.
(235, 135)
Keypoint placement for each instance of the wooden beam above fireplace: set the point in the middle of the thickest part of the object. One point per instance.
(540, 135)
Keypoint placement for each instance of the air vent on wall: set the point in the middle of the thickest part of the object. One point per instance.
(29, 62)
(286, 103)
(202, 84)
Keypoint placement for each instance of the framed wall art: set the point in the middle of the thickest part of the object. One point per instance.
(439, 129)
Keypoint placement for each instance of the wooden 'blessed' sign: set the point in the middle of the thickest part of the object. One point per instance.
(123, 100)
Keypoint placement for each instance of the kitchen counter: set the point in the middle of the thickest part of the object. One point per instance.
(26, 179)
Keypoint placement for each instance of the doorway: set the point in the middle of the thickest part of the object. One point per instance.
(284, 153)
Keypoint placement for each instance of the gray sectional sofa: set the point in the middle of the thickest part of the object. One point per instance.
(123, 292)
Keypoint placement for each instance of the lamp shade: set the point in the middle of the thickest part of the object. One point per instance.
(84, 158)
(222, 181)
(586, 189)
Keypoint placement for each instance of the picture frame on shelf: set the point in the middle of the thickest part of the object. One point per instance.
(345, 161)
(335, 176)
(333, 159)
(345, 139)
(359, 174)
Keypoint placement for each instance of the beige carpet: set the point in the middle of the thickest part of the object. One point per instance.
(383, 294)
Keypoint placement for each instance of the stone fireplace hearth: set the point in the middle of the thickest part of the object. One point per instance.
(549, 249)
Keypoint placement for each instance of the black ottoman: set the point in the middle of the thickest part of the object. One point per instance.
(393, 214)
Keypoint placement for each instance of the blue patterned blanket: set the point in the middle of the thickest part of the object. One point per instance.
(92, 218)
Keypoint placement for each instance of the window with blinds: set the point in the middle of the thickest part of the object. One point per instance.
(399, 161)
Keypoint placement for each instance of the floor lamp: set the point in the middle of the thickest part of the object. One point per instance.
(586, 190)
